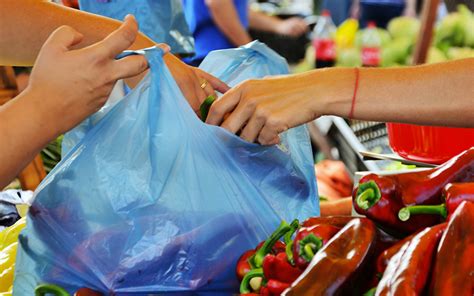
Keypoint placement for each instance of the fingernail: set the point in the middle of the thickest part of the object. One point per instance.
(128, 16)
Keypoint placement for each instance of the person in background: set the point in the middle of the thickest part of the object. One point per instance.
(163, 21)
(221, 24)
(381, 11)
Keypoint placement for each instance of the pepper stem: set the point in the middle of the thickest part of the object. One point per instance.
(45, 289)
(309, 245)
(245, 284)
(371, 292)
(405, 213)
(257, 259)
(368, 195)
(289, 242)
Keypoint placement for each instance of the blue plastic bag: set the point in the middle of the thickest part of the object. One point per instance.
(161, 20)
(152, 200)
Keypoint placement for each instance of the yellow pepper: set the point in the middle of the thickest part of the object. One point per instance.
(345, 33)
(8, 248)
(10, 234)
(7, 266)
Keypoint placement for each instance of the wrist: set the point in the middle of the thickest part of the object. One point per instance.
(334, 89)
(44, 110)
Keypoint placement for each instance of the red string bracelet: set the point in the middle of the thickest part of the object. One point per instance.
(354, 95)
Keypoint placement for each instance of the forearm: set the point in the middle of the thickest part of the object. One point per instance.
(225, 16)
(438, 94)
(262, 22)
(26, 127)
(26, 24)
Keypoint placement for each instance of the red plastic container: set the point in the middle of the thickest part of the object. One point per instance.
(428, 143)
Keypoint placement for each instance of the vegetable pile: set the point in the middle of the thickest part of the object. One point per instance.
(453, 39)
(416, 239)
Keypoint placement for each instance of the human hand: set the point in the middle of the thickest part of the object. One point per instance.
(195, 84)
(293, 27)
(76, 83)
(262, 109)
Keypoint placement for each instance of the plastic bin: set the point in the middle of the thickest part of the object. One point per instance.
(428, 143)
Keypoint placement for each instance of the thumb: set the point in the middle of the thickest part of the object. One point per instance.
(64, 38)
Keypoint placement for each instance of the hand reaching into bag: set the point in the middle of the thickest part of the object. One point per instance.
(195, 84)
(65, 87)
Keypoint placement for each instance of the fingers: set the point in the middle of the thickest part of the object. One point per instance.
(120, 39)
(239, 117)
(224, 105)
(297, 26)
(165, 47)
(216, 83)
(269, 135)
(64, 38)
(208, 90)
(253, 128)
(129, 67)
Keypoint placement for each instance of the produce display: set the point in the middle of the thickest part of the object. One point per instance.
(416, 239)
(8, 248)
(453, 39)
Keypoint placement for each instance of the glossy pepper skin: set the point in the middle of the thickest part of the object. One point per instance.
(275, 288)
(337, 221)
(278, 268)
(381, 197)
(453, 273)
(243, 266)
(87, 292)
(333, 267)
(256, 260)
(243, 263)
(408, 270)
(309, 240)
(453, 193)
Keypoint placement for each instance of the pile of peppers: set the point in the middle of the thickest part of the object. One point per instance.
(403, 204)
(417, 239)
(274, 265)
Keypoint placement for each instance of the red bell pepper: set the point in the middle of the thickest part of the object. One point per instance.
(276, 288)
(255, 261)
(87, 292)
(332, 269)
(453, 193)
(243, 265)
(338, 221)
(380, 198)
(453, 272)
(309, 240)
(247, 260)
(278, 268)
(408, 270)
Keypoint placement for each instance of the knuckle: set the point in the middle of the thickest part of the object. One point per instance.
(216, 109)
(261, 113)
(127, 34)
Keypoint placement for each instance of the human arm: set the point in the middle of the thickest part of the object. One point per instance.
(52, 103)
(436, 94)
(294, 26)
(35, 20)
(224, 14)
(26, 24)
(355, 9)
(410, 8)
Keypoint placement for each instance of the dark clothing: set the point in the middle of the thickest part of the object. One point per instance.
(380, 13)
